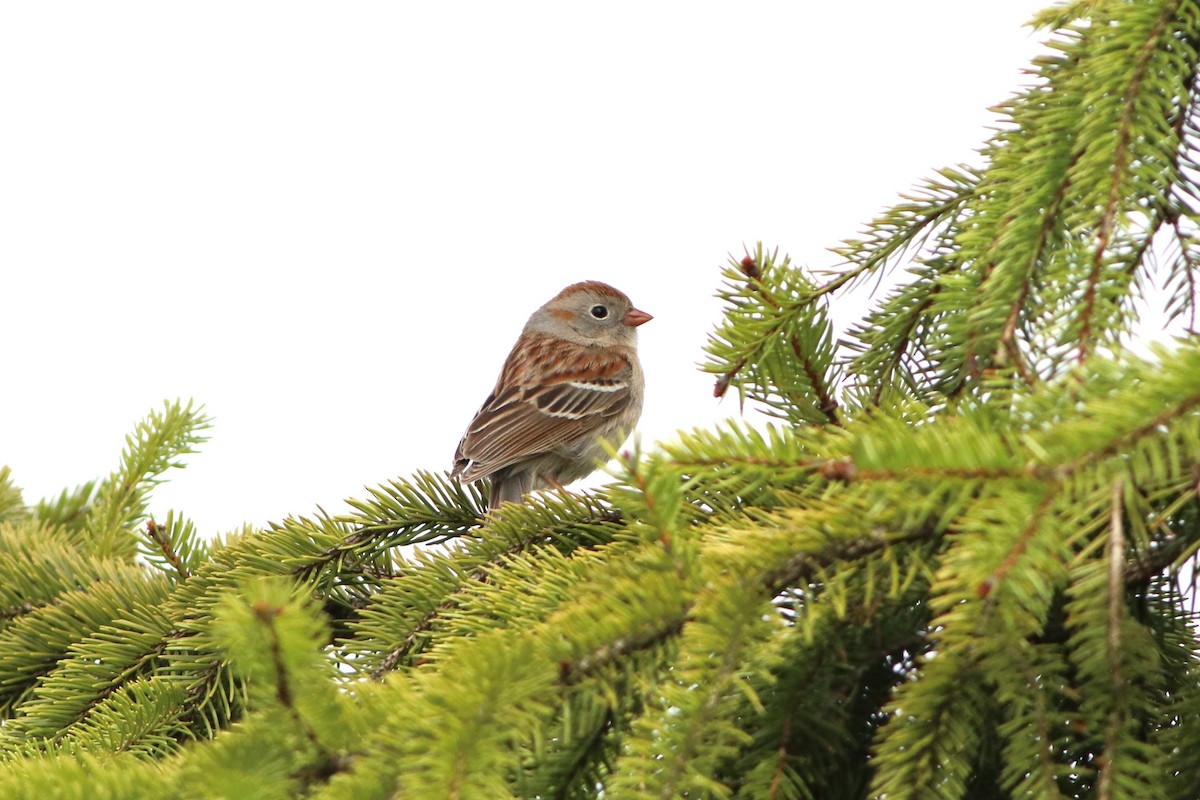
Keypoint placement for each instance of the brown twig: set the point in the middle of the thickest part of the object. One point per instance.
(12, 612)
(327, 762)
(1188, 271)
(158, 534)
(1019, 547)
(828, 404)
(1116, 604)
(397, 654)
(571, 672)
(1120, 164)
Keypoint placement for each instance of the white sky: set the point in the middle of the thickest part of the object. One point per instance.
(328, 222)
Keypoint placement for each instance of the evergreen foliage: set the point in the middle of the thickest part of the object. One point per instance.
(956, 564)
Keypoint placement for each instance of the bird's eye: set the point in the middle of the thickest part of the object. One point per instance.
(599, 312)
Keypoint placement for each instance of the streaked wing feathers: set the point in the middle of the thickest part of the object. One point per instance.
(550, 393)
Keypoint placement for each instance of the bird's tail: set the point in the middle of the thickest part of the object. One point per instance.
(509, 488)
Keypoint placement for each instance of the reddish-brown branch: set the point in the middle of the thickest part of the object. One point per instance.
(1019, 547)
(798, 569)
(845, 470)
(1120, 164)
(906, 338)
(827, 404)
(12, 612)
(753, 275)
(1188, 272)
(1008, 335)
(1116, 604)
(327, 763)
(405, 648)
(1122, 442)
(781, 759)
(571, 672)
(158, 535)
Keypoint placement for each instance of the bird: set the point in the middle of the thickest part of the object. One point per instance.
(571, 384)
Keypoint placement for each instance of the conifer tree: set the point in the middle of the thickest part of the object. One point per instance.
(955, 565)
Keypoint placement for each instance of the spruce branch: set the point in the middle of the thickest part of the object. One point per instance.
(904, 229)
(59, 721)
(141, 718)
(1119, 161)
(904, 341)
(398, 654)
(12, 505)
(775, 344)
(1008, 335)
(70, 510)
(564, 522)
(158, 536)
(797, 570)
(155, 446)
(752, 267)
(959, 578)
(827, 404)
(429, 508)
(328, 762)
(781, 762)
(1116, 606)
(14, 612)
(1191, 263)
(1018, 549)
(1125, 439)
(583, 765)
(572, 672)
(201, 690)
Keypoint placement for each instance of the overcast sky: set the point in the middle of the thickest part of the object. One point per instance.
(328, 221)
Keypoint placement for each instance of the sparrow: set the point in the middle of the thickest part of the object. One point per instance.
(571, 384)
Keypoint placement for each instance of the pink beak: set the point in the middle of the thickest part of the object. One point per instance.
(634, 317)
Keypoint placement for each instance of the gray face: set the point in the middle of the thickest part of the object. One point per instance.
(599, 316)
(587, 316)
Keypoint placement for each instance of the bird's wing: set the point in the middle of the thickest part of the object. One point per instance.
(550, 392)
